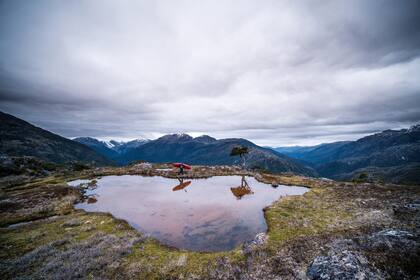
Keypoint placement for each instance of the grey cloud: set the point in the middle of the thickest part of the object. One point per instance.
(276, 72)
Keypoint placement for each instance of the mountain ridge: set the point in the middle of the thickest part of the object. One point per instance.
(390, 155)
(21, 138)
(207, 150)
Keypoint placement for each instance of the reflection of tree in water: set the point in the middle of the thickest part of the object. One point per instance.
(182, 185)
(242, 190)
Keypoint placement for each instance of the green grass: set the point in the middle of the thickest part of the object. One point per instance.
(318, 211)
(161, 262)
(313, 213)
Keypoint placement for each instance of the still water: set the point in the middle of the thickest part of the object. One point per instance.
(214, 214)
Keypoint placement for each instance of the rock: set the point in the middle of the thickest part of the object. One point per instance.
(144, 165)
(92, 200)
(387, 239)
(341, 265)
(345, 260)
(394, 233)
(415, 206)
(259, 240)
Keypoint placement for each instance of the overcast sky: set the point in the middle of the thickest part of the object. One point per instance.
(274, 72)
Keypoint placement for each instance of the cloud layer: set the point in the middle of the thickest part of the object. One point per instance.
(275, 72)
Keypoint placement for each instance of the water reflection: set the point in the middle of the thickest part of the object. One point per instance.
(182, 185)
(92, 199)
(242, 190)
(207, 217)
(89, 186)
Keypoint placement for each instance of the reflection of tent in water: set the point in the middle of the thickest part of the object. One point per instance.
(242, 190)
(182, 185)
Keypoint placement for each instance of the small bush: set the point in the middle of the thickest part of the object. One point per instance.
(361, 178)
(78, 166)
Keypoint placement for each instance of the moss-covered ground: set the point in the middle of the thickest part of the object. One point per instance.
(53, 237)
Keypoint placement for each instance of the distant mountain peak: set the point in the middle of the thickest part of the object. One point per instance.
(110, 148)
(176, 137)
(134, 143)
(414, 128)
(138, 140)
(91, 140)
(205, 139)
(116, 143)
(182, 135)
(109, 144)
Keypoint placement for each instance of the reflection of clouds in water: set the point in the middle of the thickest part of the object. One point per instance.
(218, 234)
(206, 218)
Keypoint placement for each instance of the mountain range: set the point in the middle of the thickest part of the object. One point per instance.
(199, 150)
(391, 155)
(19, 138)
(110, 149)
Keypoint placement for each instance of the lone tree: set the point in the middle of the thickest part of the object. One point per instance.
(240, 151)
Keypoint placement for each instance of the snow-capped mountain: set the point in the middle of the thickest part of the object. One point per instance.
(111, 149)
